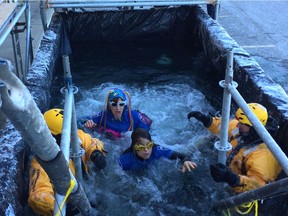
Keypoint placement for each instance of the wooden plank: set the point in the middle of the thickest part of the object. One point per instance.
(6, 13)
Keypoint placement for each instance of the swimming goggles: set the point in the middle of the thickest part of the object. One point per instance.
(114, 104)
(140, 147)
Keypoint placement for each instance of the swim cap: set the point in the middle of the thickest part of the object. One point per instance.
(116, 93)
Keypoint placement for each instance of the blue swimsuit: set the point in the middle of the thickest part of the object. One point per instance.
(124, 124)
(129, 161)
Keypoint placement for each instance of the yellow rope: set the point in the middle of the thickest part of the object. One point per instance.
(249, 207)
(72, 185)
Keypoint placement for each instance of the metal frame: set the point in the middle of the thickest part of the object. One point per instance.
(119, 5)
(270, 189)
(230, 90)
(11, 26)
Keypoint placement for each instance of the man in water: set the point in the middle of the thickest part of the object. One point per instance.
(41, 193)
(250, 164)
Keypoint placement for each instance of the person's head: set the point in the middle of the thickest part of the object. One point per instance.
(116, 102)
(142, 143)
(244, 124)
(54, 121)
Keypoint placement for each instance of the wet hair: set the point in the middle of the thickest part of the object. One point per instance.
(135, 137)
(112, 94)
(139, 133)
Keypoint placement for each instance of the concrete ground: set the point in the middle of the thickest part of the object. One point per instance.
(260, 27)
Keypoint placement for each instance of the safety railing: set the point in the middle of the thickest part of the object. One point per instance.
(121, 4)
(11, 12)
(19, 106)
(269, 190)
(70, 136)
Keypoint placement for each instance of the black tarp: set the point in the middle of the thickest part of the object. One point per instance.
(189, 24)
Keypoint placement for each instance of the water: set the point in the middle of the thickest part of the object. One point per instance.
(165, 83)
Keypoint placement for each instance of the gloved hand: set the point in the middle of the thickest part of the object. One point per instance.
(99, 159)
(205, 119)
(221, 173)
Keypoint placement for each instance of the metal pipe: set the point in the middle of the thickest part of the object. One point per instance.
(17, 52)
(223, 146)
(217, 8)
(76, 152)
(67, 71)
(123, 4)
(66, 128)
(76, 146)
(69, 130)
(65, 144)
(43, 14)
(59, 198)
(19, 106)
(269, 190)
(261, 130)
(12, 24)
(114, 1)
(21, 109)
(28, 40)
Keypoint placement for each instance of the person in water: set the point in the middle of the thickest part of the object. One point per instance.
(144, 151)
(41, 193)
(117, 116)
(250, 164)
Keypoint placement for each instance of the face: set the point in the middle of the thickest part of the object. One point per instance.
(243, 128)
(117, 107)
(146, 148)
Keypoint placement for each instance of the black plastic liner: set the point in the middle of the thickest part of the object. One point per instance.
(131, 26)
(189, 24)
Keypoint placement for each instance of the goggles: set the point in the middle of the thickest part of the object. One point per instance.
(114, 104)
(140, 147)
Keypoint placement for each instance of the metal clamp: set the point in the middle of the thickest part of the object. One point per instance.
(74, 90)
(224, 85)
(219, 147)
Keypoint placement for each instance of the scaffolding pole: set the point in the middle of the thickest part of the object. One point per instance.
(270, 189)
(277, 188)
(119, 4)
(70, 135)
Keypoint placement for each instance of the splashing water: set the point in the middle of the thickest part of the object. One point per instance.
(162, 189)
(166, 93)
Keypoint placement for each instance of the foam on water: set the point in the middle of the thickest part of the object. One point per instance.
(166, 93)
(162, 188)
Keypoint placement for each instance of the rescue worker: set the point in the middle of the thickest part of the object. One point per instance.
(250, 164)
(117, 116)
(41, 193)
(144, 151)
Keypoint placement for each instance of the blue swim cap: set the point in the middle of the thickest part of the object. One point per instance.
(116, 93)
